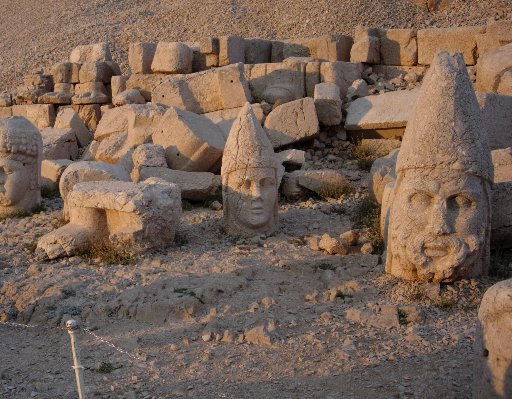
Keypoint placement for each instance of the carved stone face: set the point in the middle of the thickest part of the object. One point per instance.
(251, 200)
(438, 226)
(16, 175)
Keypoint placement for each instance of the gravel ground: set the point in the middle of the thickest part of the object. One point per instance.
(39, 33)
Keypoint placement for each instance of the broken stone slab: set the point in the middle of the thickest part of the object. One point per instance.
(493, 349)
(90, 98)
(66, 72)
(91, 53)
(283, 81)
(195, 186)
(206, 91)
(225, 118)
(90, 114)
(292, 122)
(358, 89)
(140, 57)
(381, 116)
(133, 217)
(192, 142)
(59, 143)
(84, 171)
(366, 46)
(131, 96)
(67, 118)
(150, 155)
(398, 47)
(328, 104)
(459, 39)
(56, 98)
(341, 73)
(145, 83)
(257, 51)
(172, 57)
(491, 68)
(231, 50)
(326, 183)
(41, 115)
(496, 113)
(292, 158)
(51, 172)
(502, 161)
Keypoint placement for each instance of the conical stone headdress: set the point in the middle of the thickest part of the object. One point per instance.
(446, 129)
(248, 145)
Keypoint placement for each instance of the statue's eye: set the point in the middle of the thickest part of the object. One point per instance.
(420, 200)
(460, 201)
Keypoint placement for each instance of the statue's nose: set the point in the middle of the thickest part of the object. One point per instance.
(439, 223)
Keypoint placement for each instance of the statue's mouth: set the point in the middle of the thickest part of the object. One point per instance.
(257, 209)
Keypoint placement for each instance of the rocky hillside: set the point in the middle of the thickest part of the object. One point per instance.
(37, 34)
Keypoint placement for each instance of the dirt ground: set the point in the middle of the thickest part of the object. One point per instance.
(217, 317)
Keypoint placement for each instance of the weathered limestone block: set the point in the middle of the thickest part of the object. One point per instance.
(140, 57)
(379, 147)
(497, 34)
(124, 128)
(292, 122)
(145, 83)
(312, 77)
(205, 91)
(131, 96)
(91, 53)
(209, 45)
(341, 73)
(293, 158)
(118, 85)
(502, 162)
(322, 48)
(126, 215)
(39, 80)
(366, 46)
(398, 47)
(90, 98)
(85, 171)
(462, 39)
(438, 211)
(66, 72)
(195, 186)
(20, 166)
(99, 71)
(225, 118)
(493, 346)
(384, 115)
(326, 183)
(91, 87)
(67, 88)
(278, 81)
(67, 118)
(59, 143)
(172, 57)
(90, 114)
(56, 98)
(358, 89)
(251, 175)
(491, 68)
(41, 115)
(147, 155)
(328, 104)
(231, 50)
(203, 62)
(496, 113)
(257, 51)
(381, 174)
(192, 142)
(51, 171)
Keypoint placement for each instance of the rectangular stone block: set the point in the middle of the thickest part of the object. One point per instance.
(172, 57)
(496, 112)
(322, 48)
(341, 73)
(51, 171)
(277, 51)
(91, 53)
(328, 104)
(258, 51)
(398, 47)
(231, 50)
(59, 144)
(312, 77)
(205, 91)
(209, 45)
(66, 72)
(462, 39)
(41, 115)
(90, 114)
(225, 118)
(145, 83)
(140, 57)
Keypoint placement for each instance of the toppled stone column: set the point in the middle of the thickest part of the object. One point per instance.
(126, 215)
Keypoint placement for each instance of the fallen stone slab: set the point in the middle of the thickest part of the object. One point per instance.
(90, 114)
(67, 118)
(292, 122)
(195, 186)
(205, 91)
(366, 46)
(149, 155)
(128, 216)
(192, 142)
(459, 39)
(59, 143)
(380, 116)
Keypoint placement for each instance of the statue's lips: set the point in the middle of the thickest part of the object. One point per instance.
(436, 250)
(257, 209)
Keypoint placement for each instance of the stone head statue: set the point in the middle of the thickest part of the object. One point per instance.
(251, 174)
(439, 220)
(20, 166)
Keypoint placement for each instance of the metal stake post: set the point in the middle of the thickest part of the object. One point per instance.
(72, 327)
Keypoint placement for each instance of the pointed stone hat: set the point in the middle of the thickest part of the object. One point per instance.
(446, 130)
(248, 145)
